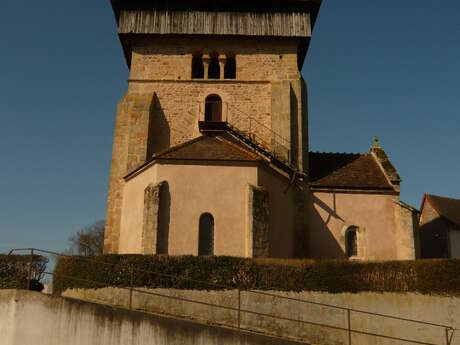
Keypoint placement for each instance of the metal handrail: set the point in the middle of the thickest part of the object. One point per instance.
(276, 137)
(449, 330)
(247, 116)
(240, 310)
(276, 134)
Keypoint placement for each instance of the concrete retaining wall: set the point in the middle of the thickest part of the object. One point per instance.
(32, 318)
(435, 309)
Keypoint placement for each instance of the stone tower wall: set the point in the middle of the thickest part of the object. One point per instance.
(163, 103)
(166, 58)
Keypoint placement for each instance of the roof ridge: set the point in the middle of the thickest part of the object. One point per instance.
(442, 197)
(445, 207)
(340, 153)
(385, 164)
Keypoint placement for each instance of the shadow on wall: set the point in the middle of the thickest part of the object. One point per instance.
(323, 244)
(304, 123)
(299, 122)
(434, 239)
(159, 137)
(294, 127)
(416, 234)
(164, 220)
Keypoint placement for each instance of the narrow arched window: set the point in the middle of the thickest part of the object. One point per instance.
(351, 242)
(206, 235)
(197, 67)
(230, 68)
(214, 67)
(213, 108)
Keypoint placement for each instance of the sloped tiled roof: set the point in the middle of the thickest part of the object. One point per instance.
(386, 164)
(346, 171)
(446, 207)
(210, 148)
(327, 170)
(214, 148)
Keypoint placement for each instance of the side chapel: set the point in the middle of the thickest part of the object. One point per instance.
(210, 153)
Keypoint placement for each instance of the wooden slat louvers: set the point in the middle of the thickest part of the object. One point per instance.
(291, 24)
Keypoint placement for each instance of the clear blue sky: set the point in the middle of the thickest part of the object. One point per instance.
(374, 67)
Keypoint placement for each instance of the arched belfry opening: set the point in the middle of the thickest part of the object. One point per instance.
(213, 109)
(197, 66)
(351, 242)
(214, 67)
(206, 235)
(230, 67)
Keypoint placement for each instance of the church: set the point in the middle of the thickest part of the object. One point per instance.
(211, 150)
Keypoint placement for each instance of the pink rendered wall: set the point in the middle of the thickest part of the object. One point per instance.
(332, 213)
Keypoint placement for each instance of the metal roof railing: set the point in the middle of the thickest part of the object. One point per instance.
(253, 129)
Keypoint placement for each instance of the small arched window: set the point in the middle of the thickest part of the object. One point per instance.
(206, 235)
(230, 68)
(351, 242)
(197, 67)
(214, 67)
(213, 108)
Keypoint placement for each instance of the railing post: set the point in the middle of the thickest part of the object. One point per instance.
(131, 283)
(29, 274)
(239, 309)
(349, 327)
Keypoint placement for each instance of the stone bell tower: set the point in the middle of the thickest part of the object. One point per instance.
(208, 62)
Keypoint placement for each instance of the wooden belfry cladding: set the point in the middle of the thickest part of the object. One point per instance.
(291, 24)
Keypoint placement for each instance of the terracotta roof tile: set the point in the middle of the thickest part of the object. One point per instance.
(220, 148)
(386, 164)
(446, 207)
(346, 171)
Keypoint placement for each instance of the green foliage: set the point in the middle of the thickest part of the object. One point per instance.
(89, 240)
(214, 273)
(14, 271)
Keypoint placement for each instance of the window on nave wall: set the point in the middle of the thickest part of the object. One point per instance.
(351, 242)
(206, 235)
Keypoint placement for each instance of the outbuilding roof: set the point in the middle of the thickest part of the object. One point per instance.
(447, 208)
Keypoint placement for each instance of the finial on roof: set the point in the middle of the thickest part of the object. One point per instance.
(376, 144)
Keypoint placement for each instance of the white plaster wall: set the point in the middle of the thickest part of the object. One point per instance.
(455, 243)
(443, 310)
(32, 318)
(194, 190)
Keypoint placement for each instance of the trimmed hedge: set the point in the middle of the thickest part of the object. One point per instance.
(214, 273)
(14, 271)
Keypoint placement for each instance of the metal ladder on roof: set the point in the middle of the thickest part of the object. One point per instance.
(278, 152)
